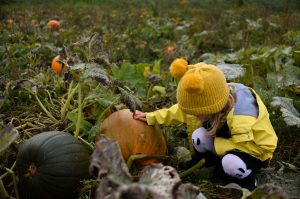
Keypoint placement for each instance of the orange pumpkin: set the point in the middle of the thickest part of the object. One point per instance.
(53, 24)
(58, 67)
(134, 137)
(170, 49)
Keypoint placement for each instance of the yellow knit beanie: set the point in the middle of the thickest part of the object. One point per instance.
(202, 89)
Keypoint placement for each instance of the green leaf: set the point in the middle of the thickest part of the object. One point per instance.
(232, 58)
(92, 133)
(85, 126)
(156, 67)
(133, 75)
(291, 76)
(232, 71)
(206, 56)
(95, 71)
(127, 72)
(289, 113)
(102, 97)
(266, 54)
(139, 69)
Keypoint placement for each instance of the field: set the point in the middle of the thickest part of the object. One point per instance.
(118, 55)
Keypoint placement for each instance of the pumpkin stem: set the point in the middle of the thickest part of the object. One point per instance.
(85, 142)
(32, 169)
(71, 93)
(76, 134)
(45, 109)
(193, 168)
(3, 192)
(143, 156)
(149, 91)
(14, 179)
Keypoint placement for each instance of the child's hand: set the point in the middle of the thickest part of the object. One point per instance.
(138, 115)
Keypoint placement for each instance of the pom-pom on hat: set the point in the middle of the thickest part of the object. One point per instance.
(178, 67)
(202, 89)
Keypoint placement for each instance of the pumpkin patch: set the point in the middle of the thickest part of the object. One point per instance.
(96, 57)
(134, 137)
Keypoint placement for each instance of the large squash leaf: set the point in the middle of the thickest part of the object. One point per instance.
(232, 71)
(91, 70)
(97, 72)
(292, 78)
(133, 75)
(289, 113)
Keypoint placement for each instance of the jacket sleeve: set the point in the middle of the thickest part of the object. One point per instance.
(242, 138)
(223, 145)
(167, 116)
(240, 128)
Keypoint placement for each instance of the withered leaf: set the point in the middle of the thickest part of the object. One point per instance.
(107, 159)
(8, 135)
(154, 79)
(132, 102)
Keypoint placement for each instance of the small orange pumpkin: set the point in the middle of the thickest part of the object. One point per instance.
(134, 137)
(170, 49)
(53, 24)
(58, 67)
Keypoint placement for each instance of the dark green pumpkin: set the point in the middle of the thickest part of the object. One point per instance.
(50, 165)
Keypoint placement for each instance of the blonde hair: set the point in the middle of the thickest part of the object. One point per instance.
(218, 119)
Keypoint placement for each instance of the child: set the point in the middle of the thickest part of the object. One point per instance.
(235, 122)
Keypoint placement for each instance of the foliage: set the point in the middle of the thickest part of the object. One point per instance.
(290, 114)
(119, 53)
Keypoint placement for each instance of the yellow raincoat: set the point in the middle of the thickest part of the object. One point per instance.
(249, 134)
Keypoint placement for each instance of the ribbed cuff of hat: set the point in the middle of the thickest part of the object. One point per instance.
(207, 110)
